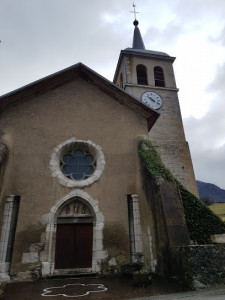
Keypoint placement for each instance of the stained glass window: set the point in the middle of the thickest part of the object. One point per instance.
(78, 165)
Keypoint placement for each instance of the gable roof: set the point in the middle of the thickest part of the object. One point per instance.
(69, 74)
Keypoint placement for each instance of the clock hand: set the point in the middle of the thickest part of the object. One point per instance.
(151, 98)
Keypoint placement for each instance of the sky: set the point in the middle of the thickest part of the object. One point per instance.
(40, 37)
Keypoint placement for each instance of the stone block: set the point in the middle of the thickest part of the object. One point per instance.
(43, 237)
(98, 235)
(4, 267)
(43, 256)
(30, 257)
(23, 276)
(99, 226)
(4, 277)
(70, 183)
(218, 238)
(62, 181)
(98, 244)
(112, 262)
(36, 247)
(101, 254)
(45, 268)
(45, 219)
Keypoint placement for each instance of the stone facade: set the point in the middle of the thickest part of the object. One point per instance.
(36, 130)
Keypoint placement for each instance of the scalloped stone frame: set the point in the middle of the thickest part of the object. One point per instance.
(94, 149)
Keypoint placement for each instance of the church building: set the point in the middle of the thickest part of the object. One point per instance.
(71, 189)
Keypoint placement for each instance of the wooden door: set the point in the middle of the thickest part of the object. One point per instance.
(73, 246)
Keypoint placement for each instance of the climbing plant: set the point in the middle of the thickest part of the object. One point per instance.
(201, 221)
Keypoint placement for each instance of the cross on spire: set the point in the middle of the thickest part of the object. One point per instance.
(137, 39)
(134, 12)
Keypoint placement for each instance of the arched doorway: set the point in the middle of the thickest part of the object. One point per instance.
(77, 207)
(74, 236)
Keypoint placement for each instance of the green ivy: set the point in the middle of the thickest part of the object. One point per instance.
(201, 221)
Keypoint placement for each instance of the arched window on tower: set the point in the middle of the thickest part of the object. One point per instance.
(121, 81)
(142, 75)
(159, 77)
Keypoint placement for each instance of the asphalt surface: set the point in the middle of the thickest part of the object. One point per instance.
(212, 293)
(105, 288)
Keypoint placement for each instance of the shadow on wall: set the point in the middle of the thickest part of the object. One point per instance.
(116, 241)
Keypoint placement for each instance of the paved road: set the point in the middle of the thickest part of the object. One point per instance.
(102, 288)
(213, 293)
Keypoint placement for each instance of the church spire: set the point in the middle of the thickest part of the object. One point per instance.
(137, 39)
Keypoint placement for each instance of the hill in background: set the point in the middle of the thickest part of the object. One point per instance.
(210, 191)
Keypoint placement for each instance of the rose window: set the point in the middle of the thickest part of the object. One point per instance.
(78, 164)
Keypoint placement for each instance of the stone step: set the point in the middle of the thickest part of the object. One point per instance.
(72, 275)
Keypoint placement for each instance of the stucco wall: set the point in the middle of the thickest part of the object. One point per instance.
(35, 127)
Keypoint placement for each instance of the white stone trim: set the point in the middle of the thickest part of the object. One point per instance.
(4, 241)
(137, 225)
(55, 163)
(98, 254)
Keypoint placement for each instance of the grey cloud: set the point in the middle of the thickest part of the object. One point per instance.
(206, 136)
(209, 165)
(42, 37)
(218, 83)
(199, 9)
(164, 39)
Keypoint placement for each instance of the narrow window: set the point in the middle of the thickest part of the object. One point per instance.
(159, 77)
(8, 232)
(141, 75)
(121, 80)
(136, 246)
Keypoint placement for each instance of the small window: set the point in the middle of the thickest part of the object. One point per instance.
(78, 164)
(121, 81)
(141, 75)
(159, 77)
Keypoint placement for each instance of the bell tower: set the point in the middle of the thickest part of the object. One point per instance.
(149, 76)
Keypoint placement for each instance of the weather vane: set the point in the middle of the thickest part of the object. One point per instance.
(134, 12)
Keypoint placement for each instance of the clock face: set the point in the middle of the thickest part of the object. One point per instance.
(152, 100)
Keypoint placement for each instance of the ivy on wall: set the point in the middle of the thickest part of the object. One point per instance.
(201, 221)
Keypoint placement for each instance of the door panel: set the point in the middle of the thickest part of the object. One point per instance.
(83, 250)
(74, 246)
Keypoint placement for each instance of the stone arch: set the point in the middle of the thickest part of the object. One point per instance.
(159, 76)
(141, 71)
(98, 254)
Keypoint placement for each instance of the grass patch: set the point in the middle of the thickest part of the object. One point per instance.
(218, 209)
